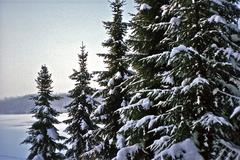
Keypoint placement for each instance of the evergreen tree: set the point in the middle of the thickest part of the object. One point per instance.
(201, 117)
(80, 125)
(111, 80)
(149, 43)
(193, 81)
(43, 135)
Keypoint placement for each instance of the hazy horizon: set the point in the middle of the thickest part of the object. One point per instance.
(37, 32)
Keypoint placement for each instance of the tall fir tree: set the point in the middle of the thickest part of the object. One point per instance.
(79, 125)
(43, 135)
(150, 45)
(201, 117)
(111, 80)
(193, 81)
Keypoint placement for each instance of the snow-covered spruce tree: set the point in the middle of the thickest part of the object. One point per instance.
(149, 43)
(43, 135)
(201, 117)
(79, 124)
(111, 80)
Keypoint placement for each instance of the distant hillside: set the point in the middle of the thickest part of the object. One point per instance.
(23, 104)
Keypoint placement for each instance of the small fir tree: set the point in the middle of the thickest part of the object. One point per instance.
(43, 135)
(79, 125)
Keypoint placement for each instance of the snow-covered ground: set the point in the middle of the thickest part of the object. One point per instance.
(13, 131)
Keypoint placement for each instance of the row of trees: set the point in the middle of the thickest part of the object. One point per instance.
(176, 96)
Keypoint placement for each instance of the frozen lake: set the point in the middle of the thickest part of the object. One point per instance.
(13, 131)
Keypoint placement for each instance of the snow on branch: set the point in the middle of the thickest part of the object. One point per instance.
(185, 150)
(38, 157)
(235, 112)
(175, 50)
(199, 81)
(167, 129)
(128, 152)
(182, 48)
(145, 7)
(175, 21)
(210, 119)
(129, 125)
(145, 120)
(120, 141)
(167, 78)
(219, 2)
(51, 132)
(217, 19)
(160, 144)
(144, 103)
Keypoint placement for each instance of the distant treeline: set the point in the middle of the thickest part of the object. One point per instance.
(24, 104)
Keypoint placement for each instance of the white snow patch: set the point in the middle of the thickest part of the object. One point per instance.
(146, 103)
(161, 143)
(110, 82)
(178, 49)
(118, 75)
(124, 103)
(38, 157)
(163, 128)
(39, 137)
(187, 149)
(198, 100)
(127, 152)
(210, 119)
(84, 125)
(217, 19)
(111, 91)
(174, 21)
(167, 78)
(235, 112)
(144, 7)
(185, 81)
(228, 51)
(136, 96)
(130, 124)
(120, 141)
(214, 45)
(144, 120)
(198, 81)
(164, 9)
(51, 132)
(215, 91)
(45, 110)
(219, 2)
(99, 109)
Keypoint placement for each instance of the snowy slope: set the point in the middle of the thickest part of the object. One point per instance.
(13, 131)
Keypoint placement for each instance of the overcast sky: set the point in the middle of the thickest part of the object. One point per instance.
(36, 32)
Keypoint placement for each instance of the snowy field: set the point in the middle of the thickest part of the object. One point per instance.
(13, 131)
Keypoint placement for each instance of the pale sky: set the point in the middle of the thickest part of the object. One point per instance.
(36, 32)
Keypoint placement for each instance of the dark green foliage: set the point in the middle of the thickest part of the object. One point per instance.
(204, 64)
(111, 80)
(187, 82)
(80, 126)
(43, 135)
(149, 43)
